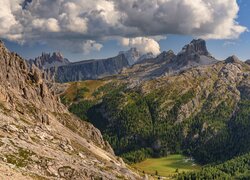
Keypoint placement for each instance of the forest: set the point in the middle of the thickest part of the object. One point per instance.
(137, 127)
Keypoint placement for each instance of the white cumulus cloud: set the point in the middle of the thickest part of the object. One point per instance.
(10, 27)
(205, 18)
(89, 22)
(90, 45)
(47, 25)
(143, 44)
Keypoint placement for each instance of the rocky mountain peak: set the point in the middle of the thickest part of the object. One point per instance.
(170, 52)
(232, 59)
(133, 55)
(165, 55)
(196, 46)
(1, 43)
(146, 56)
(247, 61)
(2, 46)
(47, 60)
(194, 54)
(57, 56)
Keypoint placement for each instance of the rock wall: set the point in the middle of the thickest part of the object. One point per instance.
(39, 138)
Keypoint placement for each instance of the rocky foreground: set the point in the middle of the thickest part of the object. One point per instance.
(40, 139)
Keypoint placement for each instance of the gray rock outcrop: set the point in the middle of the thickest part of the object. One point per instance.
(39, 138)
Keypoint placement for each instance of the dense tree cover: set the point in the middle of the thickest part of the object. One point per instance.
(208, 137)
(134, 123)
(137, 156)
(81, 108)
(232, 139)
(237, 168)
(128, 127)
(131, 122)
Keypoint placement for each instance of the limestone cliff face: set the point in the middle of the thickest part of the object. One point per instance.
(57, 68)
(92, 69)
(193, 54)
(39, 138)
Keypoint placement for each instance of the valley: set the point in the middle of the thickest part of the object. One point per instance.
(168, 166)
(200, 112)
(124, 90)
(152, 121)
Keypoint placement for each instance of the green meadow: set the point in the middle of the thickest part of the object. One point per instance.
(167, 166)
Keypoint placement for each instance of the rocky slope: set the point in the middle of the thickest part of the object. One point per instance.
(40, 139)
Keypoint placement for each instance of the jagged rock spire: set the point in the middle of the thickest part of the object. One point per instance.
(196, 46)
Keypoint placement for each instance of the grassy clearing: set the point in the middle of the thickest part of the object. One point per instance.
(82, 90)
(167, 166)
(92, 85)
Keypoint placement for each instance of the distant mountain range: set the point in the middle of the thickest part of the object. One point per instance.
(131, 62)
(191, 55)
(63, 70)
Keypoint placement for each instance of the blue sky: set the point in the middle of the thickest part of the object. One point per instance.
(219, 48)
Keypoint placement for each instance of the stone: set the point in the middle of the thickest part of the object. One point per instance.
(232, 59)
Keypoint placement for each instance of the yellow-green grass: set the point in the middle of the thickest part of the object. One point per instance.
(90, 85)
(167, 166)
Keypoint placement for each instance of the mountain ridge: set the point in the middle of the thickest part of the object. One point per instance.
(192, 55)
(61, 70)
(39, 138)
(190, 111)
(134, 65)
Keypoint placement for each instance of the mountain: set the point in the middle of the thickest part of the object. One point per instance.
(97, 69)
(60, 69)
(201, 110)
(47, 61)
(192, 55)
(40, 139)
(136, 65)
(248, 61)
(133, 56)
(91, 69)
